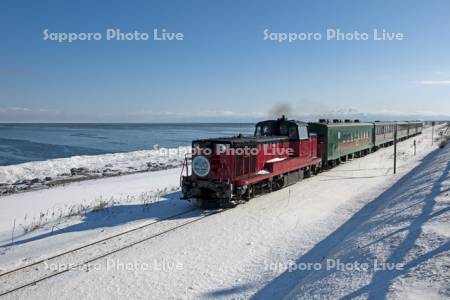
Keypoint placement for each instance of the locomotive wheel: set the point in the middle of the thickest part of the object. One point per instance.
(278, 183)
(249, 194)
(316, 169)
(307, 173)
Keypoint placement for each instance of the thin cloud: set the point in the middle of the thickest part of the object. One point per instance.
(14, 109)
(209, 113)
(17, 110)
(435, 82)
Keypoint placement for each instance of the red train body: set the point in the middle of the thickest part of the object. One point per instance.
(227, 171)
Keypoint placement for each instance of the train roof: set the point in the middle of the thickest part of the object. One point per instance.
(338, 124)
(342, 124)
(244, 140)
(285, 121)
(383, 123)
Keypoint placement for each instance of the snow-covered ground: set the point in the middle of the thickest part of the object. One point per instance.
(42, 174)
(46, 206)
(269, 248)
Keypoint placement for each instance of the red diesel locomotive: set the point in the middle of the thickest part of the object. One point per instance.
(228, 171)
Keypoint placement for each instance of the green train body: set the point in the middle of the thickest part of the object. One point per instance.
(383, 133)
(342, 139)
(402, 130)
(339, 140)
(415, 128)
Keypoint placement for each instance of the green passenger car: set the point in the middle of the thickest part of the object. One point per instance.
(383, 133)
(402, 130)
(342, 139)
(414, 128)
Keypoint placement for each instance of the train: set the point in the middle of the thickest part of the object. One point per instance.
(226, 171)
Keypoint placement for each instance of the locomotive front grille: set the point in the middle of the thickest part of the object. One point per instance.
(245, 164)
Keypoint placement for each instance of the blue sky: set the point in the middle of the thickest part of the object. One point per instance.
(223, 70)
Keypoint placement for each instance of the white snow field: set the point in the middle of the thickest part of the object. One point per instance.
(280, 245)
(25, 209)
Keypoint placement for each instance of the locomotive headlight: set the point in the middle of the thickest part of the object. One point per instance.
(201, 166)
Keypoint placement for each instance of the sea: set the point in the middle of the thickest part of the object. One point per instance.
(27, 142)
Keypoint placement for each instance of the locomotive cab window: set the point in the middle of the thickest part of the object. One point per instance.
(303, 132)
(293, 132)
(284, 130)
(258, 131)
(263, 129)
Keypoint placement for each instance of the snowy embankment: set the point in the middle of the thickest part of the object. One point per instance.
(397, 246)
(42, 174)
(358, 211)
(32, 210)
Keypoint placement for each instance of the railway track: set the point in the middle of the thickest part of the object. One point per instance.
(29, 275)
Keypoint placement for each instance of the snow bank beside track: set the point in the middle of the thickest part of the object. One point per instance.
(43, 174)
